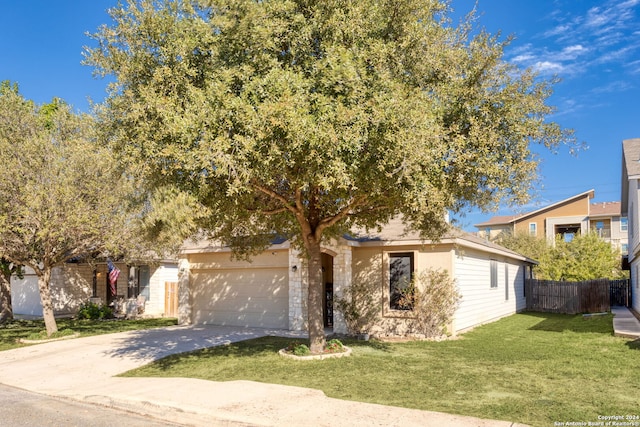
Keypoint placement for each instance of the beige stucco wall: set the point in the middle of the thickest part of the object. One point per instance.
(370, 265)
(494, 231)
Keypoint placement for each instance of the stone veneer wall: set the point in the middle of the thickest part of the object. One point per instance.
(298, 286)
(297, 291)
(184, 292)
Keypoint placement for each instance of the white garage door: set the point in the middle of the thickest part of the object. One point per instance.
(241, 297)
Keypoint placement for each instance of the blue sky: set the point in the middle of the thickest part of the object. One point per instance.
(593, 46)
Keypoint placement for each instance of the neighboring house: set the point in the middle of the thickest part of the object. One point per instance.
(76, 283)
(575, 215)
(630, 203)
(270, 290)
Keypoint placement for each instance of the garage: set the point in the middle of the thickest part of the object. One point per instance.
(240, 293)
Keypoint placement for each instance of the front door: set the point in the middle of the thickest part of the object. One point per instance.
(327, 279)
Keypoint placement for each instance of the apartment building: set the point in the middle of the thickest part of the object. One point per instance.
(567, 218)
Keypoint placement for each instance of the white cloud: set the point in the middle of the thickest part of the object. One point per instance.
(605, 35)
(572, 52)
(559, 30)
(548, 67)
(615, 86)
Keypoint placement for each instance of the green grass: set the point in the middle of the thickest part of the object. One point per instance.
(12, 331)
(530, 368)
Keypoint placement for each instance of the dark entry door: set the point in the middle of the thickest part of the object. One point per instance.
(328, 305)
(327, 279)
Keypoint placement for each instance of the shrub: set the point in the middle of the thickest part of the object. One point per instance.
(434, 298)
(358, 306)
(93, 311)
(334, 346)
(298, 348)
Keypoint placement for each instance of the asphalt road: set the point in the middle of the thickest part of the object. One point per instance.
(22, 408)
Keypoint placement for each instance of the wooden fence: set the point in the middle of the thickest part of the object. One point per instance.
(593, 296)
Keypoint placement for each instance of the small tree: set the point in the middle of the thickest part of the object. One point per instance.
(358, 306)
(61, 194)
(7, 269)
(433, 298)
(524, 243)
(585, 257)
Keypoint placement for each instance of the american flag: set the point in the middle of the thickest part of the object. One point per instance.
(113, 273)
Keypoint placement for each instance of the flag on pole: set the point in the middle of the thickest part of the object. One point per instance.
(113, 273)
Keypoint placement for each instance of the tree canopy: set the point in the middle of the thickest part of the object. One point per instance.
(585, 257)
(306, 118)
(61, 194)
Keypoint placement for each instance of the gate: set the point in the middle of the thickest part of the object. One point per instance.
(620, 292)
(171, 299)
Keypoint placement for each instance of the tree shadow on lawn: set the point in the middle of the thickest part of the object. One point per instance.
(154, 344)
(248, 347)
(554, 322)
(633, 345)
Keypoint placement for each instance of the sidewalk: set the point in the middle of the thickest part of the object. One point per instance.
(84, 368)
(625, 324)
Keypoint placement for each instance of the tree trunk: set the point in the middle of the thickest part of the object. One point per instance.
(315, 307)
(44, 278)
(6, 310)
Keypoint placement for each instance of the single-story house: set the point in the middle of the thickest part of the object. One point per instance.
(75, 283)
(270, 290)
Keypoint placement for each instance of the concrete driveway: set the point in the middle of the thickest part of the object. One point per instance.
(83, 369)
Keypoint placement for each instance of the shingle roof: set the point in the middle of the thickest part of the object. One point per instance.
(604, 209)
(631, 156)
(499, 220)
(395, 232)
(630, 167)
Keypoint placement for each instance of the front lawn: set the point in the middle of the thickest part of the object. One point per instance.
(12, 331)
(530, 368)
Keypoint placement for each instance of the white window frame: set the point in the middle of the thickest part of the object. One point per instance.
(493, 273)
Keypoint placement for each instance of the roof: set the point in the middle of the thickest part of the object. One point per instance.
(604, 209)
(630, 167)
(394, 233)
(499, 220)
(513, 218)
(398, 233)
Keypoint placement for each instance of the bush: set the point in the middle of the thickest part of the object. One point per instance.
(93, 311)
(434, 298)
(298, 348)
(358, 306)
(334, 346)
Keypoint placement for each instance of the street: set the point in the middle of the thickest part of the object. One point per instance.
(23, 408)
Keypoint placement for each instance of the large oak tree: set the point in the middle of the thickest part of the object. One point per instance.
(306, 118)
(61, 195)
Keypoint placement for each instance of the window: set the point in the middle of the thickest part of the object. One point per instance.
(533, 229)
(494, 273)
(400, 275)
(506, 282)
(624, 224)
(625, 249)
